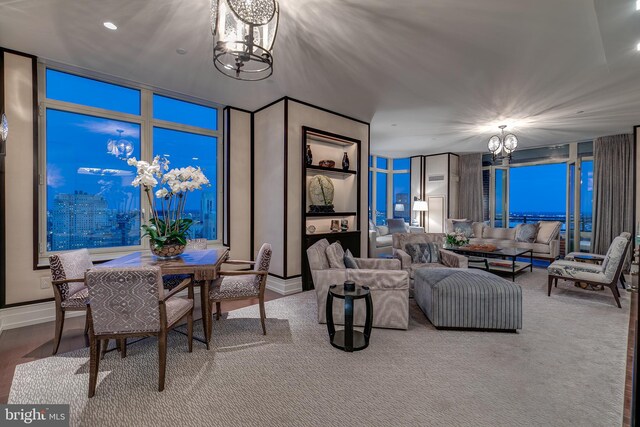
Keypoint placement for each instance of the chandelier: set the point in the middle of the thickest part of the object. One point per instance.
(243, 36)
(502, 145)
(120, 147)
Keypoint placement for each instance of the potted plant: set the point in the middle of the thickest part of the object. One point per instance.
(168, 229)
(456, 238)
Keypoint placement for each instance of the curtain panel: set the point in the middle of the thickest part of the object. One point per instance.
(613, 187)
(470, 193)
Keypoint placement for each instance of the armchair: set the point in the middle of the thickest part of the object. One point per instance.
(381, 239)
(446, 258)
(388, 283)
(131, 302)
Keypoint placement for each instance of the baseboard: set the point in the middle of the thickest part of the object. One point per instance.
(32, 314)
(284, 286)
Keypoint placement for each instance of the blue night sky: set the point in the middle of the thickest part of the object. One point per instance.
(77, 154)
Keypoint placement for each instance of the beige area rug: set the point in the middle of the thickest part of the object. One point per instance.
(565, 368)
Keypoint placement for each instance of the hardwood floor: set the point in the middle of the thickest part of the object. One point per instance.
(35, 342)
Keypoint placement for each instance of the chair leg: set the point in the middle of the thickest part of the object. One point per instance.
(550, 285)
(86, 324)
(623, 282)
(614, 291)
(94, 363)
(105, 344)
(162, 358)
(190, 330)
(218, 310)
(555, 282)
(59, 326)
(123, 348)
(262, 316)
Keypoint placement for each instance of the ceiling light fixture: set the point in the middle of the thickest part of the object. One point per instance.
(638, 47)
(110, 25)
(243, 35)
(502, 145)
(637, 4)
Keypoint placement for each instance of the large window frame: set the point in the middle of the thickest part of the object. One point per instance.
(146, 122)
(390, 173)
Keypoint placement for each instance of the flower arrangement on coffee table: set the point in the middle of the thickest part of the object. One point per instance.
(456, 238)
(168, 230)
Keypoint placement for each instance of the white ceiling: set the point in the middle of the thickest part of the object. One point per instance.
(430, 75)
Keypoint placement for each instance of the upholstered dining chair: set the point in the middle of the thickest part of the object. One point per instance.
(131, 302)
(242, 284)
(69, 290)
(606, 274)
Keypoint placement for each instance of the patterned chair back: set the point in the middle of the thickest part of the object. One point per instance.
(615, 256)
(263, 259)
(125, 300)
(70, 265)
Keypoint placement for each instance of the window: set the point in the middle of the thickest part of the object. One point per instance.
(89, 129)
(586, 204)
(402, 189)
(381, 198)
(389, 190)
(538, 193)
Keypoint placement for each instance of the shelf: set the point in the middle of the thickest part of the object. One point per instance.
(329, 214)
(328, 140)
(333, 233)
(331, 171)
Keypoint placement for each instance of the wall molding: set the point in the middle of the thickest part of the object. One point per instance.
(32, 314)
(284, 286)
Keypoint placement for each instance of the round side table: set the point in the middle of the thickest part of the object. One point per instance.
(347, 339)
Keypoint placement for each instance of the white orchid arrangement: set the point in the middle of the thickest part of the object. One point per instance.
(167, 225)
(456, 238)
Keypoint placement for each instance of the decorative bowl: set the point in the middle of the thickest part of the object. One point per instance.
(170, 251)
(327, 163)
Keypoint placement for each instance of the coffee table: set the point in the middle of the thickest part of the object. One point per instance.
(509, 255)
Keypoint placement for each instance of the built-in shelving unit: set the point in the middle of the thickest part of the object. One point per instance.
(346, 200)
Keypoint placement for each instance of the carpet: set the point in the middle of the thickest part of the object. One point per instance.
(566, 367)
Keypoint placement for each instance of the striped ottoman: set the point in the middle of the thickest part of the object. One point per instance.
(468, 299)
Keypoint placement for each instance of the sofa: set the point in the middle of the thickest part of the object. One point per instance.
(380, 237)
(446, 258)
(388, 283)
(546, 244)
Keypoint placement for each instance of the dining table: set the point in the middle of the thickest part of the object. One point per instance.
(202, 265)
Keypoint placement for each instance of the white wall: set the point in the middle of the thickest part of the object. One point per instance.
(269, 183)
(239, 186)
(22, 282)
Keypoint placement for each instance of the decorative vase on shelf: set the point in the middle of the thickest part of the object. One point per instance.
(309, 156)
(345, 162)
(321, 194)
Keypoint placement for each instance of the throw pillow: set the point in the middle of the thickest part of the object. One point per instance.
(464, 227)
(548, 231)
(396, 226)
(423, 253)
(335, 255)
(527, 233)
(372, 226)
(349, 260)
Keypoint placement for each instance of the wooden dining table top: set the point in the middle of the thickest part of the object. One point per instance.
(204, 264)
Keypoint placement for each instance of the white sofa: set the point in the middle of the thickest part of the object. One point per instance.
(381, 241)
(546, 246)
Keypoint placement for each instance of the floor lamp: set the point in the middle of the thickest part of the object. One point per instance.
(420, 206)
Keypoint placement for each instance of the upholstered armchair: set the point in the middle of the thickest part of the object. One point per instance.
(388, 283)
(445, 258)
(243, 284)
(131, 302)
(380, 236)
(69, 290)
(606, 274)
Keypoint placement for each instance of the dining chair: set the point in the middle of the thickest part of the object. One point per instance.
(242, 284)
(69, 290)
(131, 302)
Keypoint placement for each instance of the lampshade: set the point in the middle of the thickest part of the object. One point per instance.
(399, 207)
(420, 205)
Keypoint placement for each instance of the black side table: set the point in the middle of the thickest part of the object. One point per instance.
(347, 339)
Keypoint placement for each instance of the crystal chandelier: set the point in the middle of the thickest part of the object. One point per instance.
(243, 36)
(120, 147)
(502, 145)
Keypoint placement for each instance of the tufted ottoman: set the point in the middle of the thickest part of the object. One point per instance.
(468, 299)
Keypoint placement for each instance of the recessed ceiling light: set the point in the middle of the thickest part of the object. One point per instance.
(637, 4)
(394, 124)
(580, 112)
(181, 51)
(110, 25)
